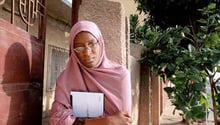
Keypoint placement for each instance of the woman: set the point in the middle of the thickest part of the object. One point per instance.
(89, 70)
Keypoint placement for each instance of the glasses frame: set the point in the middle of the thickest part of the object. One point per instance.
(91, 46)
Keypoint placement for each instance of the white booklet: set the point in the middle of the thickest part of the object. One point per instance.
(87, 104)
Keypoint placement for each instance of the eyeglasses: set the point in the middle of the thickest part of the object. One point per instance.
(82, 48)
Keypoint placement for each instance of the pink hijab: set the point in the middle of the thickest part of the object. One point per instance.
(107, 77)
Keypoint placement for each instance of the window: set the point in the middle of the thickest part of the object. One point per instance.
(56, 63)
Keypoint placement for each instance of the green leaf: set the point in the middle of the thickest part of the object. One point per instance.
(188, 115)
(202, 21)
(205, 102)
(198, 112)
(191, 48)
(211, 6)
(199, 87)
(217, 28)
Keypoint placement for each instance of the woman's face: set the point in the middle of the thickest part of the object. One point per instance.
(87, 49)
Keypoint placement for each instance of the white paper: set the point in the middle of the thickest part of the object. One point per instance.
(87, 104)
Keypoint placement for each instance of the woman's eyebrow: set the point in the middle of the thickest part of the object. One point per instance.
(92, 41)
(78, 44)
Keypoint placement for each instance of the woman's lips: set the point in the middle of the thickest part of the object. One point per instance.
(89, 60)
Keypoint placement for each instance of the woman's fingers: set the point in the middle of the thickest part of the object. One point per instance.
(127, 117)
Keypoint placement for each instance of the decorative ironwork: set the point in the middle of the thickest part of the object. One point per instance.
(29, 10)
(2, 2)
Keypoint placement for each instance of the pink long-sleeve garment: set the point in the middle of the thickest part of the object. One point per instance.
(107, 77)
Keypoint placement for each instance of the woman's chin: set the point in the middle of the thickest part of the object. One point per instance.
(89, 65)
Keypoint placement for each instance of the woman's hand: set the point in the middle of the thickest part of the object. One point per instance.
(120, 118)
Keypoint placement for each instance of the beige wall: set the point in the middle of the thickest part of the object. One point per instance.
(135, 80)
(57, 35)
(130, 8)
(110, 18)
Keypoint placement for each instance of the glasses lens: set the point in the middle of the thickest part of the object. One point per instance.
(79, 49)
(92, 45)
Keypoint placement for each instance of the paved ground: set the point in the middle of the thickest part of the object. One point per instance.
(168, 118)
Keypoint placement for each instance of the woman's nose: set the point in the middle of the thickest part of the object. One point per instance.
(87, 50)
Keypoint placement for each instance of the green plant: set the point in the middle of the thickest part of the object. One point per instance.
(168, 56)
(187, 57)
(140, 34)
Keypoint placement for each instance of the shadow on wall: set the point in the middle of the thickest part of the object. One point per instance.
(15, 78)
(17, 67)
(21, 97)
